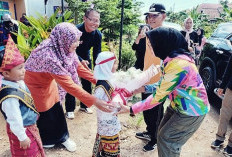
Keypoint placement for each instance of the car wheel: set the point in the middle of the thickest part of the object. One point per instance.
(208, 77)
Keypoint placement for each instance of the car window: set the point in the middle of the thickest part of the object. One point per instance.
(224, 44)
(222, 31)
(230, 39)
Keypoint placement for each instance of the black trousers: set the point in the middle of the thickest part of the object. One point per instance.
(86, 85)
(53, 126)
(70, 103)
(152, 118)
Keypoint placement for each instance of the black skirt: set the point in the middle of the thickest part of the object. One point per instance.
(53, 126)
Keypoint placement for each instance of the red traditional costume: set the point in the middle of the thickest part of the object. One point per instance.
(17, 106)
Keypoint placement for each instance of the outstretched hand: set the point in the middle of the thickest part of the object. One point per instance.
(123, 109)
(104, 106)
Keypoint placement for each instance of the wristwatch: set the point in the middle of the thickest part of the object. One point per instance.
(131, 112)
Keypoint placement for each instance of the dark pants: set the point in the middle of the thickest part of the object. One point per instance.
(152, 118)
(86, 85)
(52, 125)
(70, 103)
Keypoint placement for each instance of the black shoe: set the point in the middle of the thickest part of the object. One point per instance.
(217, 144)
(228, 150)
(149, 147)
(143, 135)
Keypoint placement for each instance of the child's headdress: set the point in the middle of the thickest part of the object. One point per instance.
(10, 56)
(104, 64)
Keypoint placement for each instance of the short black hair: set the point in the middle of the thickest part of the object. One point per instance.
(89, 10)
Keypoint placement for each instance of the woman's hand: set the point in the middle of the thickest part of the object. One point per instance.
(25, 144)
(139, 90)
(104, 106)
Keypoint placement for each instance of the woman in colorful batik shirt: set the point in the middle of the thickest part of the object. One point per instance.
(182, 84)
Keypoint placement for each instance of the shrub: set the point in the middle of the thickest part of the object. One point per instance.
(29, 37)
(127, 55)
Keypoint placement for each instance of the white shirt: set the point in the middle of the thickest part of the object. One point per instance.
(11, 108)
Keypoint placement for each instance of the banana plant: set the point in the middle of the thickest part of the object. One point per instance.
(29, 37)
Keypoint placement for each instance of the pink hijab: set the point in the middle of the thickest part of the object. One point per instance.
(53, 56)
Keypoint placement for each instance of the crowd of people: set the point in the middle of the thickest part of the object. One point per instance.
(60, 68)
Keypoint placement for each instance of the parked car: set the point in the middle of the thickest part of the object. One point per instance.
(215, 56)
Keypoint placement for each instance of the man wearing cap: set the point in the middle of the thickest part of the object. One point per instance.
(152, 117)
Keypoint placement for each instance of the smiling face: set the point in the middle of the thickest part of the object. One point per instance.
(92, 21)
(74, 45)
(156, 20)
(15, 74)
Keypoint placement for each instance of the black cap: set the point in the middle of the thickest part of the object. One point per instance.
(156, 9)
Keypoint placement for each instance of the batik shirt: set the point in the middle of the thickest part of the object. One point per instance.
(182, 84)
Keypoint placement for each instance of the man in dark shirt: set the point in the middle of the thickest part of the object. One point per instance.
(91, 38)
(225, 111)
(139, 45)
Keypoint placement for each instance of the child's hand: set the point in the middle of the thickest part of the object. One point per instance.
(25, 144)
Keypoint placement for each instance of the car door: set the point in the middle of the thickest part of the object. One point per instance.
(223, 50)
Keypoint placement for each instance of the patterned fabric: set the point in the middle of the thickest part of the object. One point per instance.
(107, 123)
(183, 85)
(35, 149)
(12, 92)
(53, 56)
(106, 146)
(12, 56)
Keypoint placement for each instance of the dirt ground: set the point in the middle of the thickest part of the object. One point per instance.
(83, 130)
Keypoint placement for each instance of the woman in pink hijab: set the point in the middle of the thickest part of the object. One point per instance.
(54, 62)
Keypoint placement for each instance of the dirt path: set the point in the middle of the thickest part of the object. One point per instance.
(83, 130)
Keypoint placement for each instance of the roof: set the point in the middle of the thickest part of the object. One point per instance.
(210, 9)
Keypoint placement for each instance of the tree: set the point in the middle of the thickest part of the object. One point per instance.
(110, 15)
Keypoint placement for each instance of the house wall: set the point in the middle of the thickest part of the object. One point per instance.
(20, 8)
(34, 6)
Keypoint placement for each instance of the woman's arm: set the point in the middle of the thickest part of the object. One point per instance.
(85, 74)
(72, 88)
(174, 75)
(77, 91)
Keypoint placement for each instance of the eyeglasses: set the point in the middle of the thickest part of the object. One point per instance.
(93, 20)
(153, 16)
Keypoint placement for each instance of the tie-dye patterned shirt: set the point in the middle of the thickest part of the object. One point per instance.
(182, 84)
